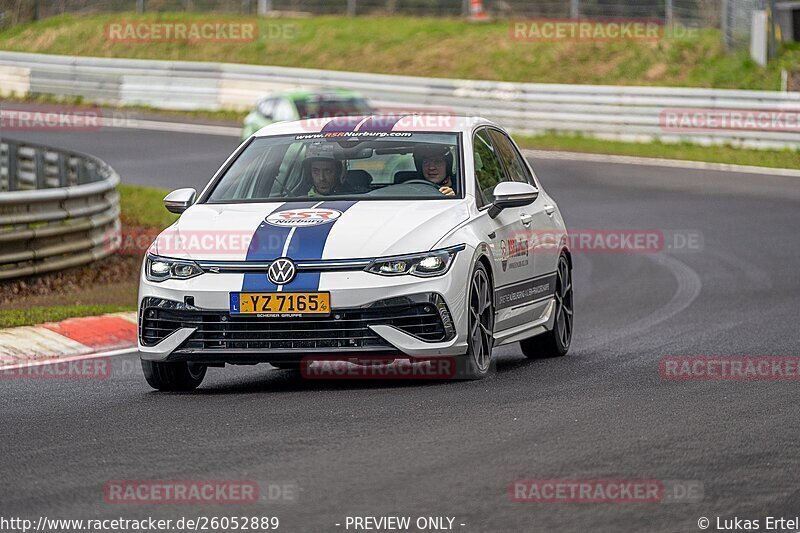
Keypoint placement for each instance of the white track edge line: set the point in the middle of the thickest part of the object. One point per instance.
(95, 355)
(659, 162)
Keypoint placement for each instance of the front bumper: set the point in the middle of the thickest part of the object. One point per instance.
(414, 325)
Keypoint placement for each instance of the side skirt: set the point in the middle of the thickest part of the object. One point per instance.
(531, 329)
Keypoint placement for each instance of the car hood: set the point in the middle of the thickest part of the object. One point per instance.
(309, 230)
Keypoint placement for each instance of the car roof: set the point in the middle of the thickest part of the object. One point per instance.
(413, 122)
(305, 94)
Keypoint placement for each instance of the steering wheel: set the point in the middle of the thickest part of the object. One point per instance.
(422, 182)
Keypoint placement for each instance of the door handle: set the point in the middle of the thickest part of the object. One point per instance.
(549, 209)
(526, 219)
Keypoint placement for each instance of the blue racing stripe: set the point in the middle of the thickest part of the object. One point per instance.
(346, 123)
(381, 123)
(309, 243)
(267, 244)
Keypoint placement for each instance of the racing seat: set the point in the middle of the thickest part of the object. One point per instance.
(402, 176)
(358, 180)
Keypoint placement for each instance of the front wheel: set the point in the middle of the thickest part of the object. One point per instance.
(480, 327)
(556, 342)
(173, 377)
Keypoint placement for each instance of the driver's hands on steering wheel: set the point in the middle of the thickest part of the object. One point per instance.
(447, 191)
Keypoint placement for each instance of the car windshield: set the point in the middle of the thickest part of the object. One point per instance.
(366, 165)
(331, 107)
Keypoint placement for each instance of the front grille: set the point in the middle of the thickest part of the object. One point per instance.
(345, 328)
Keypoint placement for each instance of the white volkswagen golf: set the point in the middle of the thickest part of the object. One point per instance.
(399, 237)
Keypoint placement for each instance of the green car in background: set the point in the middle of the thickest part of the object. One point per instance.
(299, 104)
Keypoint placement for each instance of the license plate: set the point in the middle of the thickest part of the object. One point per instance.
(280, 303)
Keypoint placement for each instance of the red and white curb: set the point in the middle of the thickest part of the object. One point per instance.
(69, 340)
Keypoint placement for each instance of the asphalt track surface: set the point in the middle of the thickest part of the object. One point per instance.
(374, 448)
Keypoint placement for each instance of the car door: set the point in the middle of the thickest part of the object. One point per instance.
(541, 233)
(506, 235)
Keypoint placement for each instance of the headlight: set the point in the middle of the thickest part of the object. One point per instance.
(424, 265)
(162, 268)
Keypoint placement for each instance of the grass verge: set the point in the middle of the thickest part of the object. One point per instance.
(143, 207)
(38, 315)
(437, 47)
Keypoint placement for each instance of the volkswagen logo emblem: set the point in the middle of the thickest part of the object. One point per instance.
(281, 271)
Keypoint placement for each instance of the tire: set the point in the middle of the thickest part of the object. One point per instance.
(556, 342)
(173, 377)
(477, 362)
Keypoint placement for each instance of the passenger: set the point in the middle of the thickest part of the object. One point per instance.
(435, 163)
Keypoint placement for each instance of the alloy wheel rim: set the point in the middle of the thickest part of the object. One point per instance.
(564, 309)
(481, 320)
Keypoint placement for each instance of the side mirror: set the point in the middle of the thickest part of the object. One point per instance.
(179, 200)
(512, 194)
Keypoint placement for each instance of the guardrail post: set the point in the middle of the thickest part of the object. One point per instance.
(351, 8)
(63, 176)
(669, 13)
(38, 166)
(724, 25)
(574, 9)
(12, 166)
(264, 7)
(140, 6)
(81, 169)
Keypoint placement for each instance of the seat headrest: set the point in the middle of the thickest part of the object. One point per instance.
(358, 178)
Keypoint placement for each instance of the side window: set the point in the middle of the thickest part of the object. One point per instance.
(288, 182)
(284, 110)
(488, 170)
(267, 107)
(515, 166)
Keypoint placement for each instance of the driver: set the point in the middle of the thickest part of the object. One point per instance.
(435, 163)
(326, 175)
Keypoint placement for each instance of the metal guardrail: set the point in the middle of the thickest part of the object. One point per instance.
(58, 209)
(625, 113)
(695, 12)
